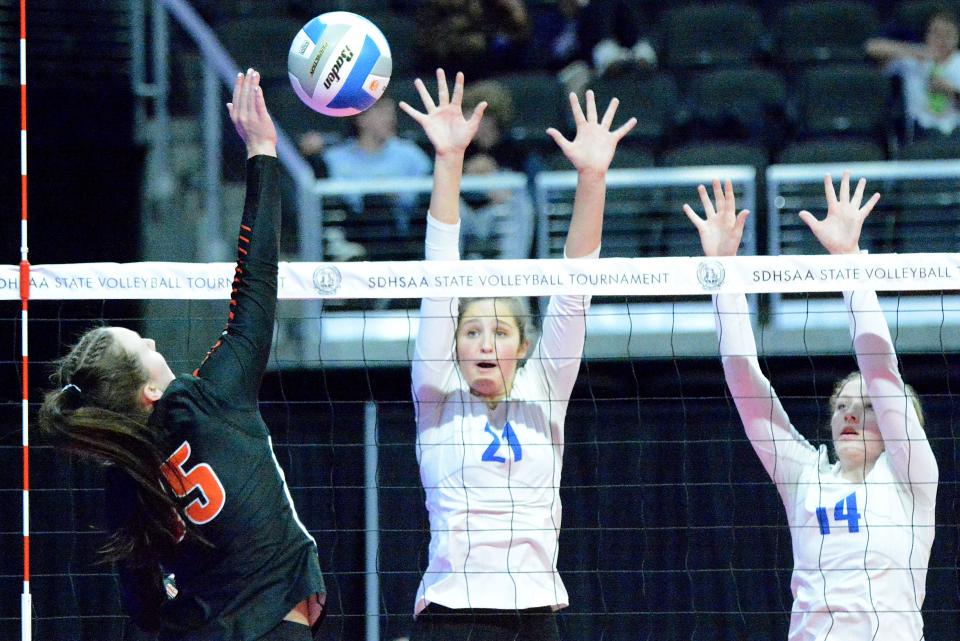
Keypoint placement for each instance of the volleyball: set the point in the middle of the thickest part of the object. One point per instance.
(339, 63)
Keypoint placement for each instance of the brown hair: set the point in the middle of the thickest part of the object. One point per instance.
(95, 411)
(911, 394)
(499, 101)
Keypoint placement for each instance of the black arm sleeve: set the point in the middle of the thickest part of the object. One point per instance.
(236, 362)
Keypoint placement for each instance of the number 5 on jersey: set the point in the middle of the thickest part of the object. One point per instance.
(201, 476)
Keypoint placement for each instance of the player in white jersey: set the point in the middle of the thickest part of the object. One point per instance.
(862, 527)
(491, 402)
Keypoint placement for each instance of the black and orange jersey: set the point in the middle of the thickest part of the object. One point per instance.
(256, 560)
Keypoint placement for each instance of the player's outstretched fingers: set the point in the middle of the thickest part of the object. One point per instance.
(443, 93)
(577, 111)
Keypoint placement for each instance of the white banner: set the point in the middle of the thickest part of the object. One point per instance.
(418, 279)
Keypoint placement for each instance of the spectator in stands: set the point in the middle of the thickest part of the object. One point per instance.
(496, 224)
(593, 38)
(930, 73)
(862, 526)
(481, 37)
(375, 151)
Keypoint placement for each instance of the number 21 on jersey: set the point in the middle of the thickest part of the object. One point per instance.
(491, 453)
(844, 510)
(201, 476)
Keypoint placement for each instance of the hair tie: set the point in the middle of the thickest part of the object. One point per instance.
(73, 393)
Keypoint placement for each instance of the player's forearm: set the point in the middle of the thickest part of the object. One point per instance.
(586, 224)
(253, 299)
(445, 197)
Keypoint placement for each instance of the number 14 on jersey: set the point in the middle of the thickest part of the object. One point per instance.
(844, 510)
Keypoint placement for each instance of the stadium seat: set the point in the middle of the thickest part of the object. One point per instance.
(824, 31)
(628, 156)
(716, 153)
(539, 103)
(831, 150)
(261, 41)
(911, 17)
(720, 34)
(932, 148)
(652, 98)
(844, 99)
(738, 104)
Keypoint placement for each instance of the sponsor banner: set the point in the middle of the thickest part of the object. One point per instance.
(417, 279)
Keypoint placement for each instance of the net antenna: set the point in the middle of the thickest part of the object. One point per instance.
(26, 604)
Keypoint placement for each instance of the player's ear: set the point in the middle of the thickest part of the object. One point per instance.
(150, 394)
(522, 351)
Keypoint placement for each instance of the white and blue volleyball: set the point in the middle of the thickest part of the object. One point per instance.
(339, 63)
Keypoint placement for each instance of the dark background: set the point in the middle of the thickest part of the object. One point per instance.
(672, 531)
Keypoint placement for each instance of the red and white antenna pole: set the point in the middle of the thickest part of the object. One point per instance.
(26, 605)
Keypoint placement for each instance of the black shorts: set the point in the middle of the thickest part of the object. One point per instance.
(437, 623)
(288, 631)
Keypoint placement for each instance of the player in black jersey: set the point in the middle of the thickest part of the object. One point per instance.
(206, 539)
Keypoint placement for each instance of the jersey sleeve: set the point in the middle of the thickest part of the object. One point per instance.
(560, 348)
(237, 361)
(783, 451)
(904, 439)
(433, 370)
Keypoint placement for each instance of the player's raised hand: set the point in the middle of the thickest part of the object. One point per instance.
(592, 149)
(248, 112)
(443, 121)
(839, 232)
(722, 229)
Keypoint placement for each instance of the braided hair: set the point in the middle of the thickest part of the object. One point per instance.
(95, 411)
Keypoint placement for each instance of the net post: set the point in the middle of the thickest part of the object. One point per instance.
(371, 520)
(26, 601)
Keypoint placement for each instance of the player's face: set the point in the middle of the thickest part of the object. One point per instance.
(942, 38)
(489, 348)
(144, 350)
(856, 434)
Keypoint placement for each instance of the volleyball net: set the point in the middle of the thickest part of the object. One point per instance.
(669, 521)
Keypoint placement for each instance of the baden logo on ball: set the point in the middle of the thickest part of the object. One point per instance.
(339, 63)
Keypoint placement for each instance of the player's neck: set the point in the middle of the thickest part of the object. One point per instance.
(856, 469)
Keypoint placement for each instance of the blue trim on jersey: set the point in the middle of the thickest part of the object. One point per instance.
(352, 94)
(314, 29)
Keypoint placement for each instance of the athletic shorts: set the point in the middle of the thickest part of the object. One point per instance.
(288, 631)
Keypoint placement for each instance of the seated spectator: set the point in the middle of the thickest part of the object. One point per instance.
(478, 37)
(930, 74)
(595, 38)
(496, 224)
(375, 151)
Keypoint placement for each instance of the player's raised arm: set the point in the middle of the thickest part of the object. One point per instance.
(897, 417)
(782, 450)
(238, 359)
(450, 133)
(591, 152)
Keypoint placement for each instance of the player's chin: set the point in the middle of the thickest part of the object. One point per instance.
(487, 387)
(849, 445)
